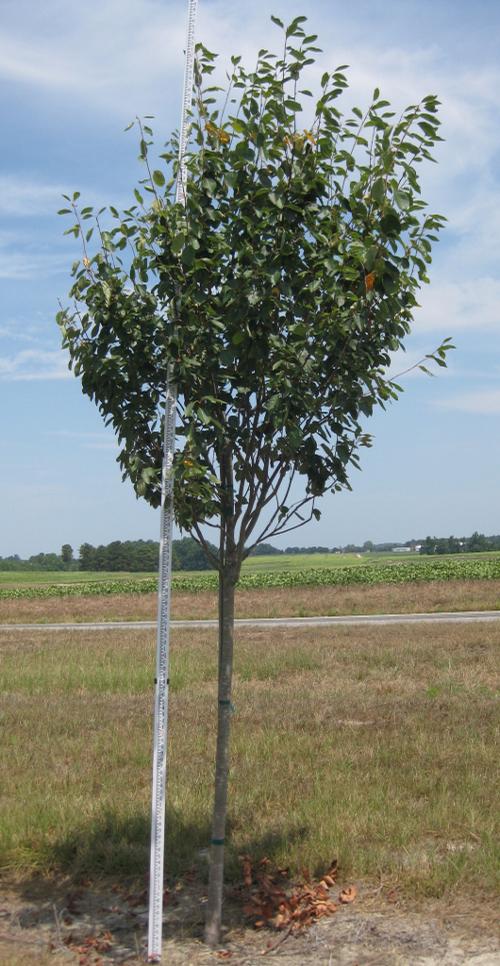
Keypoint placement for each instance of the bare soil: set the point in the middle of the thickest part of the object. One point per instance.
(53, 923)
(458, 595)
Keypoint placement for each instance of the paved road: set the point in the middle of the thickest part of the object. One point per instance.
(464, 617)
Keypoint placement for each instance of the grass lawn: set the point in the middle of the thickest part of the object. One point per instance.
(373, 745)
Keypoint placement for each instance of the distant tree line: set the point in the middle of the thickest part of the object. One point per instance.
(41, 561)
(477, 543)
(129, 555)
(142, 555)
(267, 550)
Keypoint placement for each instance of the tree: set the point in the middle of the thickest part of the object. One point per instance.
(67, 554)
(47, 561)
(87, 557)
(265, 549)
(275, 296)
(191, 556)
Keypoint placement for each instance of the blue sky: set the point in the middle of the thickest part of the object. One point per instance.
(72, 76)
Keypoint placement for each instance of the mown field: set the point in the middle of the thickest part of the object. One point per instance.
(374, 745)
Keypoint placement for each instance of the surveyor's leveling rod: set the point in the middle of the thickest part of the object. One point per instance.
(165, 570)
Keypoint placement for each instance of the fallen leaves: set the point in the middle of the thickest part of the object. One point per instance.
(348, 894)
(88, 950)
(272, 900)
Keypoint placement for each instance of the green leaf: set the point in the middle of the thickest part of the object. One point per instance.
(159, 178)
(275, 200)
(378, 190)
(277, 21)
(390, 223)
(402, 199)
(293, 105)
(178, 243)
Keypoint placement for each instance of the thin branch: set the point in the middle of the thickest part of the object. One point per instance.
(200, 540)
(282, 528)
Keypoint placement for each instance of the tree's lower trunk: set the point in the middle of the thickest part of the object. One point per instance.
(227, 582)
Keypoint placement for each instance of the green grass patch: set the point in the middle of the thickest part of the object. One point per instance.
(374, 745)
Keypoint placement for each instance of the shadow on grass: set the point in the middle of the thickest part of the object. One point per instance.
(117, 847)
(99, 875)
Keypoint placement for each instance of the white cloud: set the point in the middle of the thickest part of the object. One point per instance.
(31, 197)
(23, 257)
(105, 52)
(15, 333)
(481, 402)
(75, 434)
(33, 365)
(96, 441)
(29, 265)
(104, 445)
(20, 196)
(458, 304)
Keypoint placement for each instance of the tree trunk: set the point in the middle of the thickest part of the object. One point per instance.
(227, 583)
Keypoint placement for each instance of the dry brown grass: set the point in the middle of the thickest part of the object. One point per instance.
(376, 745)
(429, 597)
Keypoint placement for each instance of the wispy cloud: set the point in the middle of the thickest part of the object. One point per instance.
(457, 304)
(19, 333)
(28, 197)
(33, 365)
(483, 402)
(107, 53)
(28, 265)
(95, 441)
(24, 257)
(75, 434)
(105, 445)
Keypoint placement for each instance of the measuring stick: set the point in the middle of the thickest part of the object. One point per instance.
(164, 578)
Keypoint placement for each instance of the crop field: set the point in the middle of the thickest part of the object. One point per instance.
(470, 567)
(24, 578)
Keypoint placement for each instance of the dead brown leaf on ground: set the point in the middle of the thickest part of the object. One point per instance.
(272, 900)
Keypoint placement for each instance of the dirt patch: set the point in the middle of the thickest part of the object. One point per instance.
(55, 923)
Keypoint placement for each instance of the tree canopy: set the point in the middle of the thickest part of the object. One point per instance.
(276, 295)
